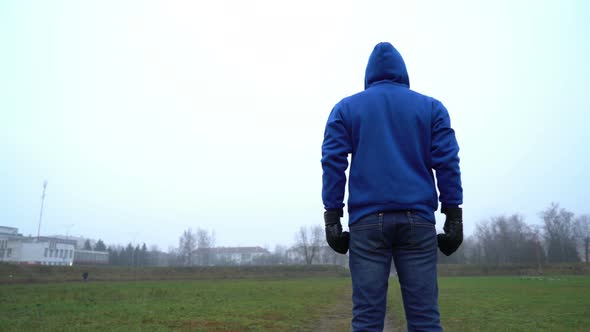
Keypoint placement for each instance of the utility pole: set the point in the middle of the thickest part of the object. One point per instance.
(41, 212)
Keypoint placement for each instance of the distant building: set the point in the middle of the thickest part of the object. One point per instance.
(43, 250)
(323, 255)
(9, 231)
(7, 247)
(238, 255)
(15, 248)
(79, 240)
(91, 257)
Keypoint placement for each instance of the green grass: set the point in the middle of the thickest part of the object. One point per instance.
(299, 304)
(508, 303)
(221, 305)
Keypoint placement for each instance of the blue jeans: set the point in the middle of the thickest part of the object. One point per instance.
(411, 242)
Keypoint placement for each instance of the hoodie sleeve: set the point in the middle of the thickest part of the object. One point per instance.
(335, 149)
(445, 157)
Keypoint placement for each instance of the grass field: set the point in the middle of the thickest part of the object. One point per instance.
(222, 305)
(302, 304)
(556, 303)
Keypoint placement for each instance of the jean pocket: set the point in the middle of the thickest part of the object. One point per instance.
(423, 234)
(366, 237)
(421, 222)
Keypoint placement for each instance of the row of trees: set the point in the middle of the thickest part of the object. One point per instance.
(126, 255)
(504, 240)
(98, 246)
(500, 240)
(130, 255)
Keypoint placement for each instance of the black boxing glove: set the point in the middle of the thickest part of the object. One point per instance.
(337, 239)
(451, 239)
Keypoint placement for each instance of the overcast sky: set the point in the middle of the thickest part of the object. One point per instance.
(149, 117)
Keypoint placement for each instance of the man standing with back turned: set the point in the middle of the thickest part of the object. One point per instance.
(397, 137)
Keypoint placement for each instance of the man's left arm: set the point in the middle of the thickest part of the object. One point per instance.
(335, 150)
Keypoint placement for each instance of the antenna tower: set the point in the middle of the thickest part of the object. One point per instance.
(41, 212)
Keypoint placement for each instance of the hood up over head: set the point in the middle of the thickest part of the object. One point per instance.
(385, 63)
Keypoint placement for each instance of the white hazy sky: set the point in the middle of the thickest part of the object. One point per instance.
(149, 117)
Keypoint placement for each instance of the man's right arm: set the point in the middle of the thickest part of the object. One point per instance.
(445, 158)
(445, 161)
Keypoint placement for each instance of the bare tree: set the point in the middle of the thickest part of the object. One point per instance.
(329, 256)
(582, 230)
(505, 240)
(308, 241)
(559, 234)
(172, 257)
(280, 250)
(463, 255)
(205, 241)
(279, 255)
(186, 247)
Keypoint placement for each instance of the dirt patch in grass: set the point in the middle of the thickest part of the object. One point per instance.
(338, 316)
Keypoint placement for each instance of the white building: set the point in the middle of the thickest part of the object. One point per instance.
(16, 248)
(238, 255)
(7, 235)
(322, 255)
(90, 257)
(79, 240)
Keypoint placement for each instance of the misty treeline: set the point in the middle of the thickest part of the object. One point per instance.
(561, 237)
(197, 248)
(131, 255)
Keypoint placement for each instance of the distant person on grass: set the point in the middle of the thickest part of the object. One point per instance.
(396, 137)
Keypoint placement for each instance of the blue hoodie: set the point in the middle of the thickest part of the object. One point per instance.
(397, 137)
